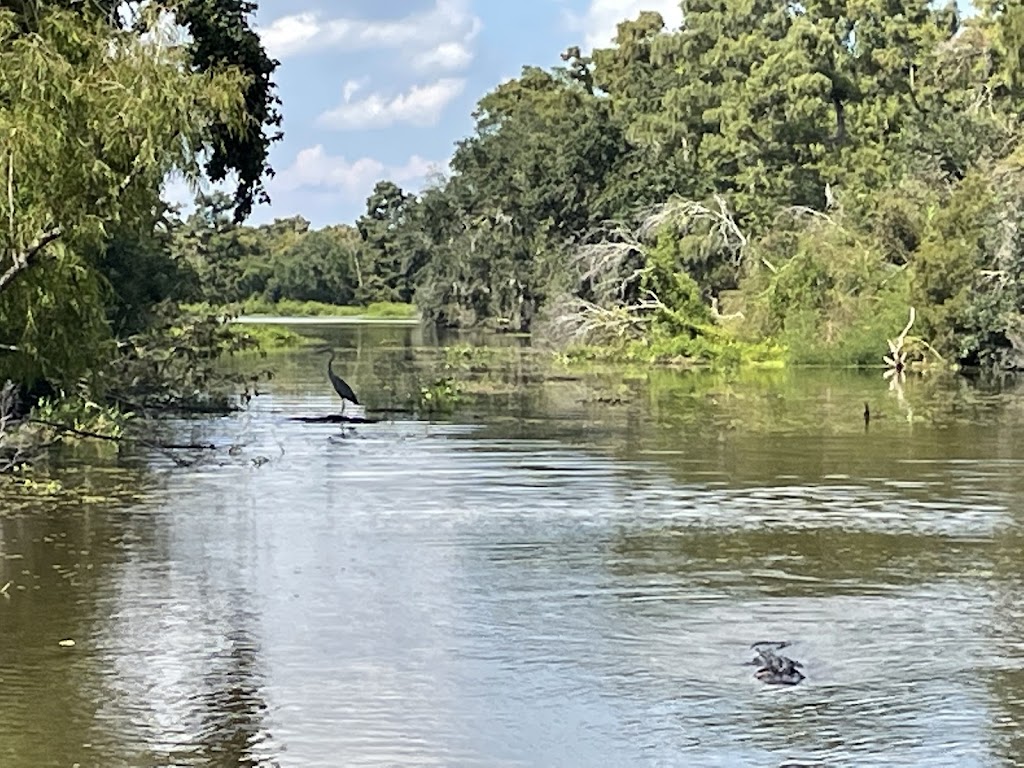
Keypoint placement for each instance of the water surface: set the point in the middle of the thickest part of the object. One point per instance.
(542, 579)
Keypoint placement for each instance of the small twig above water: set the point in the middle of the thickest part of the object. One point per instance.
(67, 429)
(88, 434)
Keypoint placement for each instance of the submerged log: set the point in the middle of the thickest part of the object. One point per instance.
(335, 418)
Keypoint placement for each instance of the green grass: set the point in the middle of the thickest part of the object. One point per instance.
(714, 348)
(291, 308)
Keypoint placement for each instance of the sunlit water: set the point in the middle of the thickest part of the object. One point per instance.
(540, 580)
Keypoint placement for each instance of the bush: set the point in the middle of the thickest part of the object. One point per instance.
(832, 299)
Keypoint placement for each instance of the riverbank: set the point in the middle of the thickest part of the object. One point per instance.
(323, 320)
(257, 307)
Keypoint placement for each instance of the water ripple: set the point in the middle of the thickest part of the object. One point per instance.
(435, 594)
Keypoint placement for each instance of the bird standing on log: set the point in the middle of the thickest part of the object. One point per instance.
(344, 391)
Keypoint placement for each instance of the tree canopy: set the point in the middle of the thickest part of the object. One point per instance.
(217, 35)
(796, 173)
(93, 117)
(884, 132)
(820, 167)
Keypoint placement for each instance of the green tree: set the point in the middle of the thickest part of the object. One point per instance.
(223, 38)
(318, 266)
(384, 273)
(541, 151)
(219, 36)
(635, 75)
(92, 119)
(139, 269)
(231, 262)
(527, 181)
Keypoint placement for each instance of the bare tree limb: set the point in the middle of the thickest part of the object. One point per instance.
(21, 260)
(687, 213)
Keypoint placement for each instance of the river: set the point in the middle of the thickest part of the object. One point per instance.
(549, 576)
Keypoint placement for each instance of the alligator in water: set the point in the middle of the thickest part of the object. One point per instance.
(774, 668)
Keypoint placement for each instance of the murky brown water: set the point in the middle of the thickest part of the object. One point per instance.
(537, 581)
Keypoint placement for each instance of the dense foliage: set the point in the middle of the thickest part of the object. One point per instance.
(769, 177)
(97, 106)
(223, 262)
(814, 169)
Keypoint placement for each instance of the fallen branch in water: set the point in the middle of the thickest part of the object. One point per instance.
(172, 408)
(583, 321)
(67, 429)
(336, 418)
(73, 430)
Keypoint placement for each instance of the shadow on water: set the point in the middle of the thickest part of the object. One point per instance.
(569, 570)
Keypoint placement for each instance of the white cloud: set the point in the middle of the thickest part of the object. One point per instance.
(598, 22)
(449, 56)
(350, 87)
(421, 35)
(289, 34)
(421, 105)
(315, 168)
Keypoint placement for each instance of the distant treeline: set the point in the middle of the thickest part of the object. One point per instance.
(797, 173)
(216, 260)
(772, 179)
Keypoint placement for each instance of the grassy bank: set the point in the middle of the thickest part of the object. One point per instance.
(272, 337)
(289, 308)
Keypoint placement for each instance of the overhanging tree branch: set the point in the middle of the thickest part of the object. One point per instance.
(22, 260)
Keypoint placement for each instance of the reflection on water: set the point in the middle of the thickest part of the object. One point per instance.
(542, 581)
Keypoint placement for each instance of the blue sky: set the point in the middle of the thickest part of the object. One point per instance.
(377, 89)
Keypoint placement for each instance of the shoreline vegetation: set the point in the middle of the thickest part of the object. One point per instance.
(380, 310)
(791, 210)
(264, 323)
(848, 175)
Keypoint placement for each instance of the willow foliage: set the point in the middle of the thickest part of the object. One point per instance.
(92, 119)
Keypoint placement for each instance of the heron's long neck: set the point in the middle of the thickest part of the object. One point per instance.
(330, 360)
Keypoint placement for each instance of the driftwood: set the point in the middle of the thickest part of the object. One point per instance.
(334, 418)
(84, 433)
(168, 449)
(613, 270)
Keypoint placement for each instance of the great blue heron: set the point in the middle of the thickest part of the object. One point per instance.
(340, 385)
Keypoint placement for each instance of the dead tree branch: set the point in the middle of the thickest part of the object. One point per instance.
(22, 260)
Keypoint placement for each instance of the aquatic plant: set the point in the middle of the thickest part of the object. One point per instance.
(896, 360)
(439, 396)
